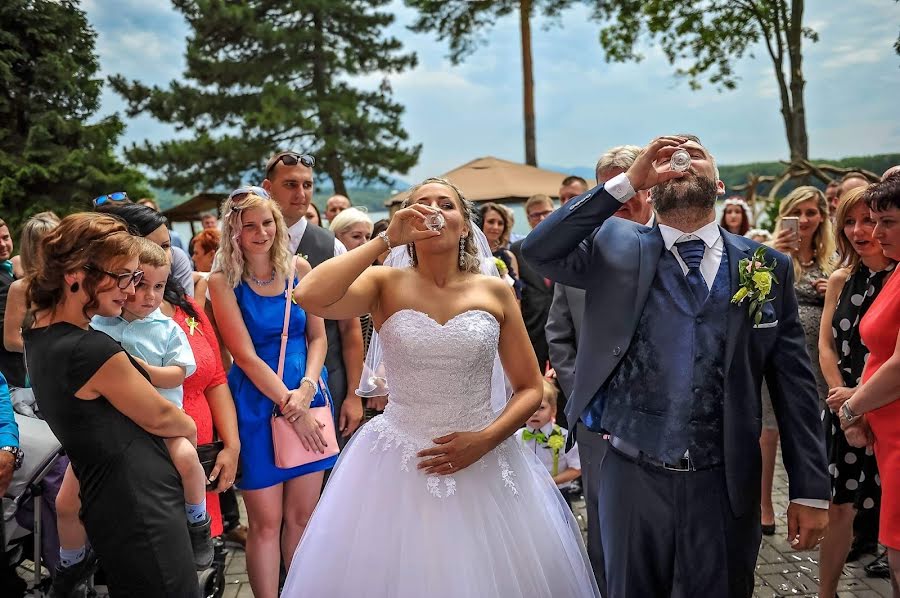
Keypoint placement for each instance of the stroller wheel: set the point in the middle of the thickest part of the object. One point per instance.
(212, 582)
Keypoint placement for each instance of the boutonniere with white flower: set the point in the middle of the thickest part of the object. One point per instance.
(755, 283)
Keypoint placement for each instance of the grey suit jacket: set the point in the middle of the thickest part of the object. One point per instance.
(563, 326)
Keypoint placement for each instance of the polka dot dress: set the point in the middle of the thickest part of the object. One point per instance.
(854, 475)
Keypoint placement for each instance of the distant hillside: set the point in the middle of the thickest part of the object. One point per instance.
(373, 197)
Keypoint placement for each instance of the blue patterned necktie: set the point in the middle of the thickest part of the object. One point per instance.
(692, 254)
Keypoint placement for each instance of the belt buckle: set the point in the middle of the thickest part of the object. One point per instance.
(684, 464)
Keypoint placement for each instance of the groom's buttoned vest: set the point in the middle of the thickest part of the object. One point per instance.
(666, 395)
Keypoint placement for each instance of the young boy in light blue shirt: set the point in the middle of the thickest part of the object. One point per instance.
(162, 349)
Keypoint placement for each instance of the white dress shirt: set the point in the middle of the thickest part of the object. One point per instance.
(712, 257)
(295, 235)
(620, 188)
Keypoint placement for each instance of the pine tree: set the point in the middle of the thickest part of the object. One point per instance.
(264, 75)
(51, 158)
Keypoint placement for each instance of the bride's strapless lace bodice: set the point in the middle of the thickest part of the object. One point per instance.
(440, 382)
(439, 376)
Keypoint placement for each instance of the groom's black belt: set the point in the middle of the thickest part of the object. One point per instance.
(636, 454)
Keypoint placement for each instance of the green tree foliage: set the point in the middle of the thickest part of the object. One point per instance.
(264, 75)
(54, 155)
(705, 39)
(464, 24)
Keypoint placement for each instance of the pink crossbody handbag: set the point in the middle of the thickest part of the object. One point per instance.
(289, 451)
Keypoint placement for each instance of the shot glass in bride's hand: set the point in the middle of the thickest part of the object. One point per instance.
(410, 225)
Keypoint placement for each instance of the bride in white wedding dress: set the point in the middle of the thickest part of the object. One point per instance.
(434, 497)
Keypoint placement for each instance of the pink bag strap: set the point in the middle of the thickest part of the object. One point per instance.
(287, 315)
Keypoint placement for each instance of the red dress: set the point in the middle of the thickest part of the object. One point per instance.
(209, 374)
(879, 329)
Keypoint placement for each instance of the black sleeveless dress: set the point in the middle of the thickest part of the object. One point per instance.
(131, 494)
(854, 474)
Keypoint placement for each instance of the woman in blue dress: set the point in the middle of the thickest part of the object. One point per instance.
(248, 293)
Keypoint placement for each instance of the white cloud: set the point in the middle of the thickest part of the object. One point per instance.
(871, 52)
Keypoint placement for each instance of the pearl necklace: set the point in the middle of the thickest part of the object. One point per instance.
(263, 283)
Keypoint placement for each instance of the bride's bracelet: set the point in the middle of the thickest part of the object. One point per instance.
(310, 381)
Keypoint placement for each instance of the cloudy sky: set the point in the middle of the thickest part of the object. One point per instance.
(584, 105)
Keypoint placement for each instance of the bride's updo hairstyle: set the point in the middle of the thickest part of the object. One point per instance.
(80, 240)
(469, 261)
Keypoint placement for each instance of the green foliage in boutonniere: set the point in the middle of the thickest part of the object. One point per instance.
(501, 266)
(755, 284)
(555, 442)
(304, 256)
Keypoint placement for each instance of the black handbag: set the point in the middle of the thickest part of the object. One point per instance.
(208, 453)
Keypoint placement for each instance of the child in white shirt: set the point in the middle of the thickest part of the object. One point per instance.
(547, 440)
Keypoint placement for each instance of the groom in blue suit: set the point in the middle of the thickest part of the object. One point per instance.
(671, 369)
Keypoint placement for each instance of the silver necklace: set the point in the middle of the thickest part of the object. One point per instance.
(263, 283)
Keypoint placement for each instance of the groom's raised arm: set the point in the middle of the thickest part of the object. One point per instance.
(561, 247)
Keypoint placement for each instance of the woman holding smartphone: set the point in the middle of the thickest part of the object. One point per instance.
(803, 231)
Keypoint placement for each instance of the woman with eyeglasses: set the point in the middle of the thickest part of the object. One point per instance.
(248, 296)
(119, 205)
(207, 398)
(110, 420)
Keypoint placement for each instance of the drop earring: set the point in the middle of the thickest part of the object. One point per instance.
(74, 287)
(462, 253)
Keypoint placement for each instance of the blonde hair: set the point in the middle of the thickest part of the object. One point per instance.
(538, 199)
(823, 238)
(551, 393)
(230, 258)
(847, 257)
(350, 217)
(470, 261)
(35, 229)
(151, 254)
(620, 157)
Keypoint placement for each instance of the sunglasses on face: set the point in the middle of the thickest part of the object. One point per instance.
(117, 196)
(291, 159)
(124, 280)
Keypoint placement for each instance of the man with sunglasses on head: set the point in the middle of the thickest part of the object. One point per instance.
(289, 182)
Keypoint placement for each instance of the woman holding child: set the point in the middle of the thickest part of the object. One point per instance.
(248, 295)
(207, 398)
(101, 405)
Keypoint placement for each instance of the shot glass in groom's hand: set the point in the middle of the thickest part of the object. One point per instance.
(644, 172)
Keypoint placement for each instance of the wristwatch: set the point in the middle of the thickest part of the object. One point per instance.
(847, 413)
(16, 452)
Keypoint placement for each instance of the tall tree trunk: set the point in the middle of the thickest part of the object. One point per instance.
(527, 81)
(799, 141)
(330, 160)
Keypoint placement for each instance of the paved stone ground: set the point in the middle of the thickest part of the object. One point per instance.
(779, 570)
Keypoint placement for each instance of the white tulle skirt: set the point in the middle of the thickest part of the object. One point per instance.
(382, 529)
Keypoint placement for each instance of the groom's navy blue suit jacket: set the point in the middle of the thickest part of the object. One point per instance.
(615, 261)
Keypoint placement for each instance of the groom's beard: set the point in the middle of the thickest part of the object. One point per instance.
(690, 192)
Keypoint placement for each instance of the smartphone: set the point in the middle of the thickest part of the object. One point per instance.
(791, 223)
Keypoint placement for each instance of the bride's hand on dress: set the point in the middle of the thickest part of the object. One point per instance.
(454, 452)
(310, 432)
(408, 225)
